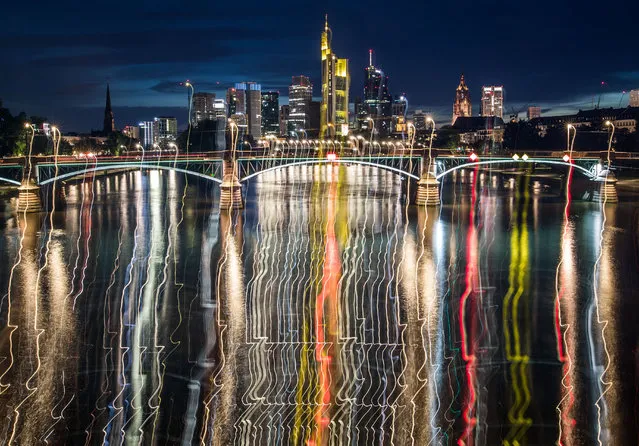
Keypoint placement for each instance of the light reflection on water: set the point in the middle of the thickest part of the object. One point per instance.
(326, 313)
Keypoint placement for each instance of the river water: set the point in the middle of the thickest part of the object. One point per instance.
(326, 313)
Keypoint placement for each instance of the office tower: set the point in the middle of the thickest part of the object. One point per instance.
(236, 101)
(377, 100)
(534, 112)
(147, 134)
(492, 101)
(203, 104)
(634, 98)
(270, 113)
(241, 122)
(300, 95)
(419, 120)
(109, 122)
(284, 117)
(248, 97)
(335, 86)
(165, 129)
(462, 105)
(399, 110)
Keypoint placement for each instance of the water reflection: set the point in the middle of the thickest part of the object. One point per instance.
(327, 313)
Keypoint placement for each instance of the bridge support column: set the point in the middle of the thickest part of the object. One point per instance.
(607, 189)
(29, 197)
(230, 189)
(427, 186)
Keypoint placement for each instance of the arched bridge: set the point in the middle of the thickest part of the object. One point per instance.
(230, 172)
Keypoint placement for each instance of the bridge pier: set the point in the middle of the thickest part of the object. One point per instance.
(607, 189)
(29, 197)
(230, 189)
(427, 186)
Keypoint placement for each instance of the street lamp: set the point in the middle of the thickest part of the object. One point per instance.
(174, 147)
(372, 128)
(612, 134)
(430, 143)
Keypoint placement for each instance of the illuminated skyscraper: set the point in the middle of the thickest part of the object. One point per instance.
(634, 98)
(300, 95)
(203, 107)
(462, 105)
(335, 86)
(534, 112)
(247, 97)
(109, 122)
(492, 101)
(270, 113)
(165, 129)
(377, 100)
(147, 134)
(285, 112)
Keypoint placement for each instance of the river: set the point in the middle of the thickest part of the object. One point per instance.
(327, 312)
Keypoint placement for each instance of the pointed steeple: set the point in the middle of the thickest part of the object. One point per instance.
(109, 123)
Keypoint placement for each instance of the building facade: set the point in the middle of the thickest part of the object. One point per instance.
(246, 98)
(533, 112)
(378, 102)
(462, 106)
(634, 98)
(335, 87)
(203, 107)
(285, 112)
(146, 133)
(300, 96)
(492, 101)
(270, 113)
(164, 129)
(131, 131)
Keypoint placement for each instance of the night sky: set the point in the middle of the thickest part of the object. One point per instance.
(58, 56)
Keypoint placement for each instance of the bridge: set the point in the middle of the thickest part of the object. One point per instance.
(230, 170)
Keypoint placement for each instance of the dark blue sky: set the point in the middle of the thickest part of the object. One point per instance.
(58, 56)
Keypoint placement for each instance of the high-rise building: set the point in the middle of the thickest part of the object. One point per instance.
(377, 100)
(462, 105)
(164, 129)
(236, 101)
(399, 110)
(248, 96)
(492, 101)
(335, 86)
(300, 95)
(270, 113)
(241, 122)
(147, 134)
(109, 122)
(285, 112)
(634, 98)
(313, 129)
(203, 107)
(419, 120)
(533, 112)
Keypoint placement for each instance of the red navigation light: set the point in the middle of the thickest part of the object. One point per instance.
(566, 158)
(473, 157)
(331, 156)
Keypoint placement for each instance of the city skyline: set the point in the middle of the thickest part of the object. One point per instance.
(144, 76)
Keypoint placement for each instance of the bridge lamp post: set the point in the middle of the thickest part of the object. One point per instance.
(612, 134)
(411, 134)
(430, 143)
(233, 125)
(157, 147)
(122, 147)
(372, 130)
(174, 146)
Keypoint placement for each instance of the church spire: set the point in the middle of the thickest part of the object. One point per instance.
(109, 123)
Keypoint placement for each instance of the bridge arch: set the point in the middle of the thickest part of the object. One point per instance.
(98, 168)
(581, 169)
(327, 161)
(9, 180)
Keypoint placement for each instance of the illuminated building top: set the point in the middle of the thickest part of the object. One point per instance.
(335, 86)
(462, 105)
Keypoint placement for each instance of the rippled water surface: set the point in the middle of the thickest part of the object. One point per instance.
(326, 313)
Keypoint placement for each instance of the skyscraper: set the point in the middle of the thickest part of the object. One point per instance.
(248, 100)
(235, 100)
(377, 99)
(300, 95)
(634, 98)
(462, 105)
(335, 86)
(492, 101)
(270, 113)
(203, 107)
(109, 122)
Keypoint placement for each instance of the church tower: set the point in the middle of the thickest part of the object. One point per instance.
(462, 105)
(109, 123)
